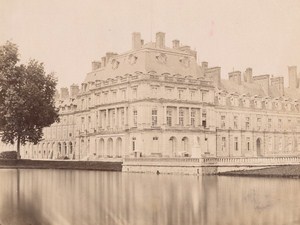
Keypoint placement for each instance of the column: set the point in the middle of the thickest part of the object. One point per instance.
(177, 116)
(106, 119)
(189, 117)
(125, 116)
(115, 125)
(99, 119)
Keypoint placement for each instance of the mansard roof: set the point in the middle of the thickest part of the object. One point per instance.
(148, 58)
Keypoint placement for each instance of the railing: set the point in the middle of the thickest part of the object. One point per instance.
(163, 159)
(281, 160)
(213, 161)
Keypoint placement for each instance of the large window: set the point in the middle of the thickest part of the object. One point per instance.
(135, 118)
(133, 144)
(154, 117)
(279, 123)
(193, 117)
(181, 117)
(180, 94)
(269, 123)
(247, 123)
(204, 118)
(223, 143)
(169, 117)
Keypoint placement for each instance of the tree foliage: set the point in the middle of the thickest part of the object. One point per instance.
(27, 102)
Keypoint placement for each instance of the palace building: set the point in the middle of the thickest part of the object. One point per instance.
(157, 101)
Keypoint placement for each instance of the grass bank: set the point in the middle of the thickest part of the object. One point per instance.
(292, 171)
(61, 164)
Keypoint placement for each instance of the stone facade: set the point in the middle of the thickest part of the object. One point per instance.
(156, 101)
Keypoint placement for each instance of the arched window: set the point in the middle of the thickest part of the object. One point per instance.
(109, 147)
(173, 146)
(185, 145)
(119, 147)
(71, 148)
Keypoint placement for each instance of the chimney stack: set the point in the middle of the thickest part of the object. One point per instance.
(103, 61)
(64, 93)
(263, 80)
(248, 77)
(293, 81)
(214, 74)
(235, 76)
(204, 65)
(176, 44)
(160, 40)
(74, 89)
(278, 82)
(136, 40)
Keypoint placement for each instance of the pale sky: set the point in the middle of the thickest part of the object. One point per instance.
(68, 34)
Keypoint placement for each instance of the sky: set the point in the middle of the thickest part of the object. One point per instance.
(233, 34)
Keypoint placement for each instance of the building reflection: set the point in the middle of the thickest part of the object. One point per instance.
(91, 197)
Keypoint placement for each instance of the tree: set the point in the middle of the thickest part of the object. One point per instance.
(27, 102)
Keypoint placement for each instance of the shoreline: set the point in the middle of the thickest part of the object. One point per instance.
(61, 164)
(286, 171)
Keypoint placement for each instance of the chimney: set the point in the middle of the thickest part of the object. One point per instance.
(74, 89)
(278, 83)
(293, 82)
(160, 40)
(248, 75)
(142, 42)
(204, 65)
(263, 80)
(214, 74)
(235, 76)
(96, 65)
(136, 40)
(103, 61)
(176, 44)
(64, 93)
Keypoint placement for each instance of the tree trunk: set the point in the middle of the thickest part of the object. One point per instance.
(18, 148)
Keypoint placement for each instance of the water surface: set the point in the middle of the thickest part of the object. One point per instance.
(63, 197)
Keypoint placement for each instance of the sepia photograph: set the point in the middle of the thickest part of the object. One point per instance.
(149, 112)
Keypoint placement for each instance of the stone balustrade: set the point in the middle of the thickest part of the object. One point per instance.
(165, 161)
(211, 161)
(226, 161)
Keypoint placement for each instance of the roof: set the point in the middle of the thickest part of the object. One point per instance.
(147, 59)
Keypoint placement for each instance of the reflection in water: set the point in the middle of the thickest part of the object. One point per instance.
(90, 197)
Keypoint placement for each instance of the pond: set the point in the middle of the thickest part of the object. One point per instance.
(63, 197)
